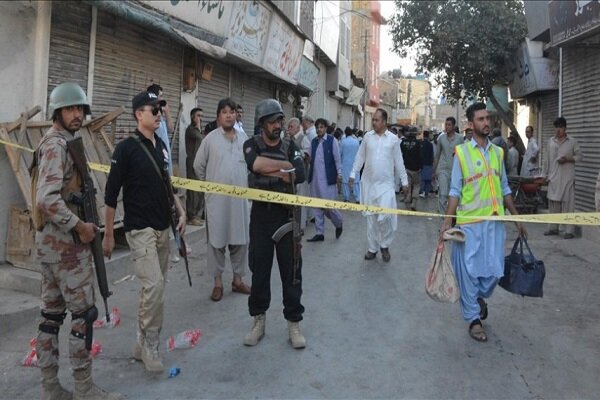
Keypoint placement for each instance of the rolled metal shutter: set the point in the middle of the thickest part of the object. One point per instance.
(248, 90)
(346, 118)
(581, 102)
(549, 108)
(210, 92)
(69, 43)
(128, 59)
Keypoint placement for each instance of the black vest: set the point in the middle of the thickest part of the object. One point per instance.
(271, 183)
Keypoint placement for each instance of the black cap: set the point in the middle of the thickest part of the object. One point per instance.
(146, 99)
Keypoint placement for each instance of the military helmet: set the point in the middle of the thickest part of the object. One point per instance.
(266, 108)
(65, 95)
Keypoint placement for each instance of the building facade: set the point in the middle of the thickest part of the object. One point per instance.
(199, 52)
(561, 58)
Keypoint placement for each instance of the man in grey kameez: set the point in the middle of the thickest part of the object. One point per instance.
(220, 159)
(559, 171)
(442, 166)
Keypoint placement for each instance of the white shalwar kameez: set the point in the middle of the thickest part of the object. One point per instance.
(382, 159)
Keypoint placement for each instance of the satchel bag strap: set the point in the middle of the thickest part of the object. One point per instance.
(137, 139)
(524, 240)
(519, 243)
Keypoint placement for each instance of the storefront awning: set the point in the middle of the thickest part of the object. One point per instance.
(201, 45)
(194, 36)
(354, 96)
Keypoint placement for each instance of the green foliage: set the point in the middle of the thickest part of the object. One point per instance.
(466, 45)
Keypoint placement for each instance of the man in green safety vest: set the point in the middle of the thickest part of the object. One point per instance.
(478, 188)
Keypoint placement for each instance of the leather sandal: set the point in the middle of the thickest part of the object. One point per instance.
(217, 293)
(240, 288)
(477, 332)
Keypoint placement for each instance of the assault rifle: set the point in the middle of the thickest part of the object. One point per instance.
(86, 201)
(179, 241)
(294, 227)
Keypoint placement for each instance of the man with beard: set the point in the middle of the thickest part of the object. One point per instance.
(479, 187)
(220, 159)
(324, 174)
(66, 263)
(442, 166)
(139, 165)
(268, 158)
(381, 157)
(559, 170)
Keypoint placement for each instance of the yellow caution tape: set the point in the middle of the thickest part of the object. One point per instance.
(584, 218)
(304, 201)
(18, 146)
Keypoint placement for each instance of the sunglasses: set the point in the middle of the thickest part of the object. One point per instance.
(153, 110)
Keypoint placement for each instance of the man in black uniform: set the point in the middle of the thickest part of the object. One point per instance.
(266, 156)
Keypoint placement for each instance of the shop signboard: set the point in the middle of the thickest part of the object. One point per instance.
(572, 19)
(532, 74)
(308, 74)
(283, 51)
(209, 15)
(248, 30)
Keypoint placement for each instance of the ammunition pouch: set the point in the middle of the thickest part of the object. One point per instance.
(89, 317)
(51, 328)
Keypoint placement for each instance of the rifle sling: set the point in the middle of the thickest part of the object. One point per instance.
(160, 174)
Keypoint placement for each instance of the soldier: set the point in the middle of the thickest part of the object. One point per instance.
(63, 249)
(266, 156)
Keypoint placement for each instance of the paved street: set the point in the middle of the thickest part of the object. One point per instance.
(371, 331)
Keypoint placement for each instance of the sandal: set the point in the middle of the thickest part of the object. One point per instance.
(483, 308)
(477, 332)
(217, 293)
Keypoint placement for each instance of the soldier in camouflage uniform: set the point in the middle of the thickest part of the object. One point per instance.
(67, 273)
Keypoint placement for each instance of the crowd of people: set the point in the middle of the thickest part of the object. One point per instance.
(308, 157)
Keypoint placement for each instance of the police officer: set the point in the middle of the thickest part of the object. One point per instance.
(267, 155)
(66, 263)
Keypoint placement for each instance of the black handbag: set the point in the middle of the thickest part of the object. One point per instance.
(523, 274)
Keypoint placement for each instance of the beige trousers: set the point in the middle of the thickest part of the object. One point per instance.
(237, 254)
(150, 255)
(557, 207)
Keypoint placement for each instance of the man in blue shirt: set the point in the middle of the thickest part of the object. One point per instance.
(479, 260)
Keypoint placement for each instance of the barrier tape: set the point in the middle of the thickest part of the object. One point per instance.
(18, 146)
(304, 201)
(584, 218)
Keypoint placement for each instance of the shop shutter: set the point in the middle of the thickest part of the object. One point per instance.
(210, 92)
(69, 44)
(288, 109)
(129, 58)
(346, 118)
(581, 102)
(248, 90)
(549, 112)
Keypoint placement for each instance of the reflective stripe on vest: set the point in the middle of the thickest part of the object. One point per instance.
(482, 189)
